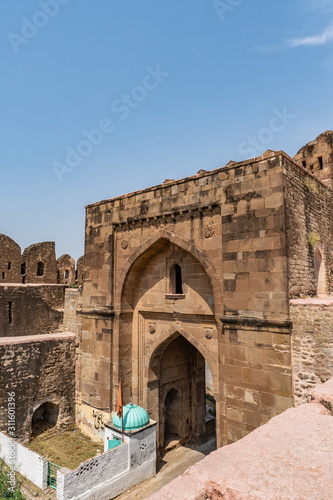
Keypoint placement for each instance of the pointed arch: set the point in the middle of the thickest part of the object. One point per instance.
(156, 242)
(154, 356)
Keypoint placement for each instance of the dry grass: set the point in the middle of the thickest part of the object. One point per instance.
(67, 448)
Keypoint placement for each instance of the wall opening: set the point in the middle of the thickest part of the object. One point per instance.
(177, 392)
(3, 275)
(66, 274)
(45, 417)
(176, 279)
(9, 266)
(40, 269)
(23, 268)
(10, 313)
(320, 160)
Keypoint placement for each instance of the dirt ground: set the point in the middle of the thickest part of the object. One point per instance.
(174, 463)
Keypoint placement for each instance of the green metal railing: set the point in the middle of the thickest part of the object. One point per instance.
(53, 468)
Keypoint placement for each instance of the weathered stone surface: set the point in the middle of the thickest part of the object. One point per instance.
(291, 457)
(39, 261)
(38, 369)
(10, 260)
(317, 157)
(30, 309)
(66, 269)
(312, 344)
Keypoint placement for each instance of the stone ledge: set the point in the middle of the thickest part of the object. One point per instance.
(37, 338)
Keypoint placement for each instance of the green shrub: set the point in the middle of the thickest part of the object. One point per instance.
(6, 489)
(313, 239)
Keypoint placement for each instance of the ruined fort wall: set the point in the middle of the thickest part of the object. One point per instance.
(30, 309)
(39, 260)
(10, 260)
(312, 344)
(66, 270)
(80, 270)
(309, 229)
(71, 321)
(317, 157)
(37, 370)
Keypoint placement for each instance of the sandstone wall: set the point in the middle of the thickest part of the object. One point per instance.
(38, 370)
(317, 157)
(312, 344)
(71, 321)
(309, 228)
(227, 227)
(66, 270)
(30, 309)
(80, 270)
(10, 260)
(39, 260)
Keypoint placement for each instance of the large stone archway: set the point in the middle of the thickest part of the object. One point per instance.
(152, 323)
(176, 390)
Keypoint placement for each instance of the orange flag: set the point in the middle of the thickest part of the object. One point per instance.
(120, 401)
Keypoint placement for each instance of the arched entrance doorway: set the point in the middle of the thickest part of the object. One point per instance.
(178, 385)
(45, 417)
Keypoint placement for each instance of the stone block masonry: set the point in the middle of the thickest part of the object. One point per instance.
(312, 344)
(30, 309)
(39, 370)
(225, 230)
(71, 322)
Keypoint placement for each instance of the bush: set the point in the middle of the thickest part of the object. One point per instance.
(6, 490)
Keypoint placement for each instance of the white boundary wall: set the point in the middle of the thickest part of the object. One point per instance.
(28, 463)
(113, 472)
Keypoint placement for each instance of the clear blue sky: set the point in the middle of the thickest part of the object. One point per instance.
(175, 86)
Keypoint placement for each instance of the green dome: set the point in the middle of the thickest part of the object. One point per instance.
(135, 417)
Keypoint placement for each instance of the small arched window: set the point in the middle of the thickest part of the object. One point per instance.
(176, 280)
(40, 269)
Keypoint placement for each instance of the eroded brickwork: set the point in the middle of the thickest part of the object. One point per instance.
(10, 260)
(71, 322)
(39, 263)
(30, 309)
(38, 370)
(66, 269)
(312, 344)
(317, 156)
(80, 270)
(309, 223)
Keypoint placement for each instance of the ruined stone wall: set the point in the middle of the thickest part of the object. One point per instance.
(312, 344)
(80, 270)
(309, 228)
(317, 157)
(37, 370)
(39, 261)
(71, 322)
(30, 309)
(230, 221)
(10, 260)
(66, 270)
